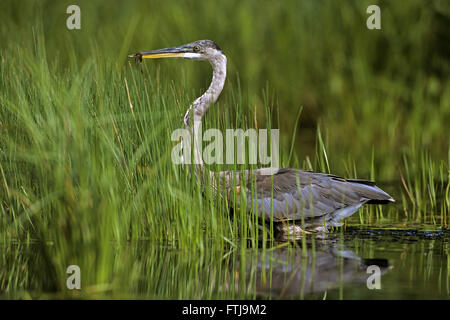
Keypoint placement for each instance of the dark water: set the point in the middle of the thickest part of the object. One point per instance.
(413, 261)
(413, 264)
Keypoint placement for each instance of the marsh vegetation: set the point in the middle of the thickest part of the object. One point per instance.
(86, 176)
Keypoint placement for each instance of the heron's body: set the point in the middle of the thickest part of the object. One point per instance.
(316, 199)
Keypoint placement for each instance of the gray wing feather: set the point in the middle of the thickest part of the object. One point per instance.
(298, 194)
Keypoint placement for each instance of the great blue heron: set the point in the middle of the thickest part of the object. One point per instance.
(318, 200)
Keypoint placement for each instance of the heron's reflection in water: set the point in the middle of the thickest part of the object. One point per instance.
(295, 272)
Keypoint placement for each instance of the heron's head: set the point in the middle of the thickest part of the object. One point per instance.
(199, 50)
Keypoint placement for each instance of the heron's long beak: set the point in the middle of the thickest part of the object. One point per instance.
(173, 52)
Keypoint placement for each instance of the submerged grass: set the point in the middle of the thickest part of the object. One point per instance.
(85, 137)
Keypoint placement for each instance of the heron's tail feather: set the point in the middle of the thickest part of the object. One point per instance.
(370, 192)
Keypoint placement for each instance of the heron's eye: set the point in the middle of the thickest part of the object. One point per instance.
(196, 48)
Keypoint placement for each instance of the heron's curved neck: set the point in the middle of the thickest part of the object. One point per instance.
(200, 105)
